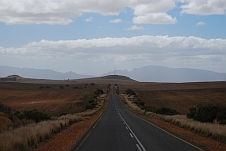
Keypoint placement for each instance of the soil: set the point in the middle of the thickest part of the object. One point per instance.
(67, 138)
(208, 143)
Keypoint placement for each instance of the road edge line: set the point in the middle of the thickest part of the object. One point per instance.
(163, 129)
(79, 143)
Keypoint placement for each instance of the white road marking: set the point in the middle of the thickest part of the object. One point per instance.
(142, 147)
(126, 127)
(131, 135)
(138, 147)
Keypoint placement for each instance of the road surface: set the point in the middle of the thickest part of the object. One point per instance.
(120, 130)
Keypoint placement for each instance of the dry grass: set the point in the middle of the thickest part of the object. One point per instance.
(29, 136)
(23, 138)
(52, 101)
(214, 130)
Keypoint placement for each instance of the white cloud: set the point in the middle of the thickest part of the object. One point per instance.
(203, 7)
(63, 12)
(90, 19)
(191, 52)
(154, 18)
(152, 6)
(163, 47)
(200, 23)
(116, 21)
(135, 27)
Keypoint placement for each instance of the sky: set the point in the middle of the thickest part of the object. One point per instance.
(93, 37)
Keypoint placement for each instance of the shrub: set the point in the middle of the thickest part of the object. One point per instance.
(192, 113)
(150, 109)
(41, 87)
(166, 111)
(91, 106)
(203, 113)
(98, 92)
(36, 116)
(221, 114)
(223, 122)
(130, 92)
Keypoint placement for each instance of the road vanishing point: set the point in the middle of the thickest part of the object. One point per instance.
(120, 130)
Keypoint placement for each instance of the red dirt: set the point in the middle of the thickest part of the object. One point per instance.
(209, 143)
(67, 138)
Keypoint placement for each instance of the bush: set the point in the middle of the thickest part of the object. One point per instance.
(98, 92)
(221, 114)
(203, 113)
(41, 87)
(150, 109)
(192, 113)
(91, 106)
(167, 111)
(223, 122)
(36, 116)
(130, 92)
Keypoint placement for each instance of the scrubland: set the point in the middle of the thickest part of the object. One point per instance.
(65, 106)
(180, 97)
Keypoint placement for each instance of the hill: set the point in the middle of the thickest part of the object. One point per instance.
(165, 74)
(39, 73)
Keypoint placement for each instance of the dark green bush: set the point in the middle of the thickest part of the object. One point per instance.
(204, 113)
(150, 109)
(36, 116)
(130, 92)
(91, 106)
(221, 114)
(192, 113)
(166, 111)
(223, 122)
(41, 87)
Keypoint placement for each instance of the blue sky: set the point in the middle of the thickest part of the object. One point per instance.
(94, 36)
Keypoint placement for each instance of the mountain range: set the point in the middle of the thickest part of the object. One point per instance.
(144, 74)
(165, 74)
(39, 73)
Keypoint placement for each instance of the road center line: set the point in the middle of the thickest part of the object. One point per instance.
(143, 149)
(138, 147)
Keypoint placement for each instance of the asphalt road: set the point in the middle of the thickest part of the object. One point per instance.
(120, 130)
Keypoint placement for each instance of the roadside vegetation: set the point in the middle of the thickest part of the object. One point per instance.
(30, 127)
(142, 106)
(206, 119)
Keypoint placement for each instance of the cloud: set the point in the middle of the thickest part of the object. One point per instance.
(142, 45)
(200, 23)
(90, 19)
(64, 12)
(135, 27)
(179, 51)
(204, 7)
(116, 21)
(155, 18)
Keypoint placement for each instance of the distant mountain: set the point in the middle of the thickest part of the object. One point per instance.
(39, 73)
(118, 77)
(165, 74)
